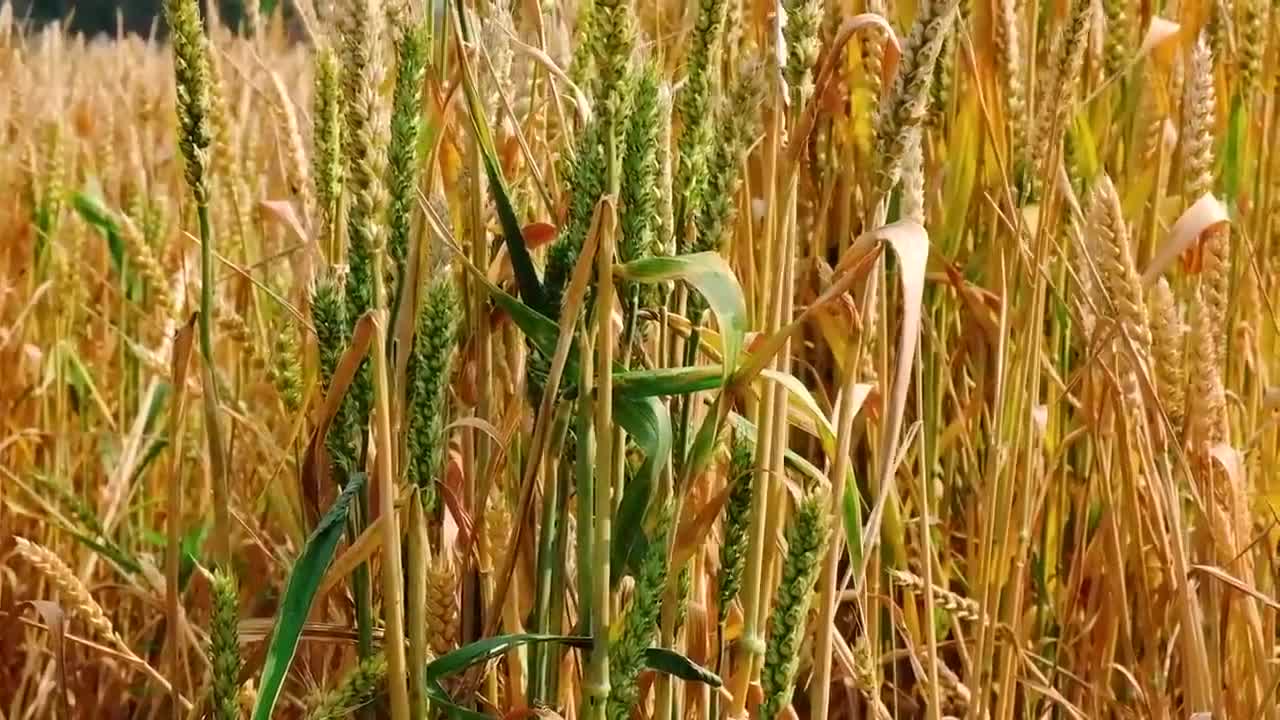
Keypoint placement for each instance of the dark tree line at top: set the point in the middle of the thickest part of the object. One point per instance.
(105, 16)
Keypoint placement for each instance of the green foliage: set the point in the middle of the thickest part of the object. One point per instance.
(299, 592)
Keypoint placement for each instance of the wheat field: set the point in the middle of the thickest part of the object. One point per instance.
(626, 359)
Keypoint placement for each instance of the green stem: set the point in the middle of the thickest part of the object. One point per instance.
(584, 472)
(213, 428)
(548, 539)
(360, 583)
(597, 687)
(419, 552)
(558, 580)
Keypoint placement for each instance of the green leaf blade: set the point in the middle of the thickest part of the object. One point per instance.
(300, 590)
(711, 276)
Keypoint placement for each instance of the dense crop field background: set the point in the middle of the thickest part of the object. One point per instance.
(621, 359)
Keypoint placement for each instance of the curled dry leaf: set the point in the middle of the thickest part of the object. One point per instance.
(302, 262)
(1231, 462)
(55, 620)
(1207, 212)
(1158, 37)
(535, 236)
(910, 242)
(1271, 399)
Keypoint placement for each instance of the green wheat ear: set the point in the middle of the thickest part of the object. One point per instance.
(329, 315)
(365, 165)
(224, 646)
(358, 688)
(640, 167)
(585, 173)
(326, 117)
(640, 178)
(639, 623)
(801, 33)
(1119, 36)
(739, 122)
(737, 519)
(191, 74)
(430, 364)
(684, 586)
(806, 541)
(693, 106)
(581, 65)
(286, 371)
(402, 153)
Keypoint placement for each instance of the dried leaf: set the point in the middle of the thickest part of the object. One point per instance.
(1206, 213)
(1158, 34)
(910, 242)
(55, 619)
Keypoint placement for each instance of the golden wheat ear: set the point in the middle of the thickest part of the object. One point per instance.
(69, 586)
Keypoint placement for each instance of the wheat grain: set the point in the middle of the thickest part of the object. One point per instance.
(296, 172)
(1196, 133)
(1168, 332)
(1122, 285)
(76, 594)
(905, 107)
(958, 606)
(442, 604)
